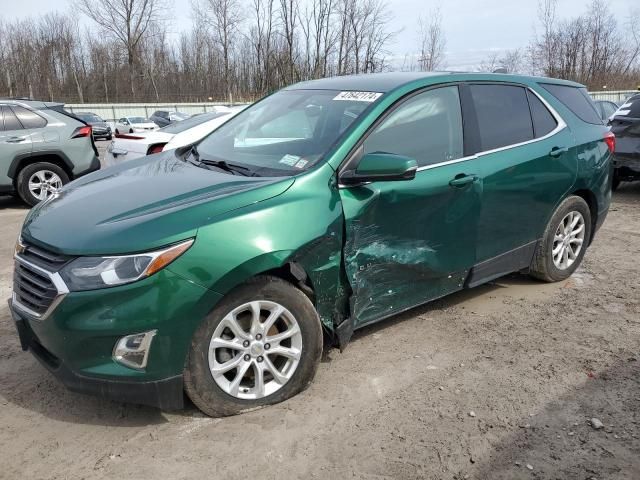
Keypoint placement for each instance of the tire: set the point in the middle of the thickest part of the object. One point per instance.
(109, 137)
(544, 265)
(131, 130)
(48, 172)
(117, 132)
(216, 396)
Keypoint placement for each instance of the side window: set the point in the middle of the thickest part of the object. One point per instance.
(503, 115)
(28, 118)
(11, 122)
(577, 100)
(608, 109)
(427, 128)
(543, 121)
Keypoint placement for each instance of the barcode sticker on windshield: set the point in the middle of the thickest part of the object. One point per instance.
(358, 96)
(289, 160)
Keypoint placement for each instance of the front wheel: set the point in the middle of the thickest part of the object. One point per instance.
(38, 181)
(261, 345)
(564, 242)
(616, 181)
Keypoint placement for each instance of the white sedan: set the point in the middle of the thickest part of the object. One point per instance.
(130, 146)
(134, 125)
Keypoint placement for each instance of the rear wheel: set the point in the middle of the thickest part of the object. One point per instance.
(261, 345)
(38, 181)
(564, 242)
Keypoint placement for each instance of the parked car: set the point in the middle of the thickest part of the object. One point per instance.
(100, 128)
(625, 124)
(162, 118)
(134, 125)
(606, 109)
(222, 267)
(42, 147)
(129, 147)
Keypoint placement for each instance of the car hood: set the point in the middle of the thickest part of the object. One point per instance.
(141, 205)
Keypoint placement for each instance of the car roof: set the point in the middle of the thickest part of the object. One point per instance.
(35, 104)
(388, 81)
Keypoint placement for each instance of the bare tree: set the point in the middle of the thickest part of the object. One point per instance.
(432, 41)
(127, 21)
(224, 18)
(509, 61)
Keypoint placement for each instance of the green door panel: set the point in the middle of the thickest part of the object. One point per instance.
(521, 187)
(409, 242)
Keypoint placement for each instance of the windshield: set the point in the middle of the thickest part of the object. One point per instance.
(138, 120)
(287, 132)
(191, 122)
(90, 117)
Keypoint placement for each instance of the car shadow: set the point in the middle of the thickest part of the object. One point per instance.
(13, 202)
(560, 442)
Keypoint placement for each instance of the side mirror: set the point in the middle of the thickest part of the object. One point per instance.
(380, 166)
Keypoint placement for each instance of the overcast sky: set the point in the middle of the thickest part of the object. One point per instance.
(474, 28)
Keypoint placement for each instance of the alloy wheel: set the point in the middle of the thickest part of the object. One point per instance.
(44, 183)
(568, 240)
(255, 350)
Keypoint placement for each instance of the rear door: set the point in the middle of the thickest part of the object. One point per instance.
(408, 242)
(527, 163)
(15, 140)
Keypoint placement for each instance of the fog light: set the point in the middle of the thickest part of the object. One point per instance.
(133, 350)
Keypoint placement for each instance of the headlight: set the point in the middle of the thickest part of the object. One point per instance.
(90, 273)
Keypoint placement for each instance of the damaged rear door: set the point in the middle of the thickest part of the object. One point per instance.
(408, 242)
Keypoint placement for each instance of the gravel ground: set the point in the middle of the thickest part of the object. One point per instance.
(500, 382)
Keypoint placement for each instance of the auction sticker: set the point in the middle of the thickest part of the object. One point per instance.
(290, 160)
(358, 96)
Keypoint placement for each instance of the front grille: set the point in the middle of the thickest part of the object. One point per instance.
(46, 259)
(32, 288)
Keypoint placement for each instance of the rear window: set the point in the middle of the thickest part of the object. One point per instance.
(543, 121)
(630, 108)
(28, 118)
(503, 115)
(577, 100)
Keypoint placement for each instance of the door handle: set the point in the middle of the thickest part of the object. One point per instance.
(15, 139)
(461, 180)
(558, 151)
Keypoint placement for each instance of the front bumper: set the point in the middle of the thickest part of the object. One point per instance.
(75, 342)
(166, 394)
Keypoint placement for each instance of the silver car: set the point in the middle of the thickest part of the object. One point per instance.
(42, 147)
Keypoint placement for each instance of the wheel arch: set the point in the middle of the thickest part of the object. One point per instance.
(50, 156)
(590, 198)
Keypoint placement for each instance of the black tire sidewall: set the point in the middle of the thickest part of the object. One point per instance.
(199, 383)
(570, 204)
(22, 183)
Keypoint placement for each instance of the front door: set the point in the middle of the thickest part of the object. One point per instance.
(408, 242)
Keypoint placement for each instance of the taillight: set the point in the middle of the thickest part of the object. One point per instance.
(156, 148)
(81, 132)
(610, 140)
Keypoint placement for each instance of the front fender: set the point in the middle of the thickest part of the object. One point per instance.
(303, 225)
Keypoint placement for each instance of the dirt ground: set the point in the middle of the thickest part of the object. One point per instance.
(499, 382)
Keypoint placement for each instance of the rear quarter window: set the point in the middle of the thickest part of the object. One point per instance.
(11, 122)
(28, 118)
(577, 100)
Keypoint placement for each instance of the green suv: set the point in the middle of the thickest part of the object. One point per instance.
(42, 147)
(223, 268)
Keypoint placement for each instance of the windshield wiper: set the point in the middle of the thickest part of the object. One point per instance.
(229, 167)
(193, 157)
